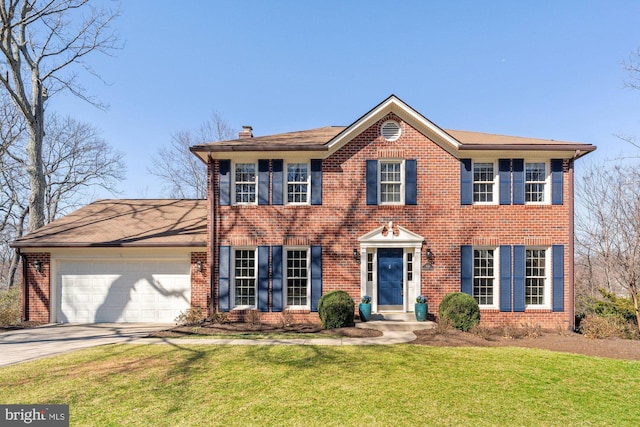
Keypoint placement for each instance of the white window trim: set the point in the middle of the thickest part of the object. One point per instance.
(285, 284)
(547, 279)
(496, 181)
(547, 181)
(233, 275)
(286, 183)
(496, 277)
(402, 182)
(234, 202)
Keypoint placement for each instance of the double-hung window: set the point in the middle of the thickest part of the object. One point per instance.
(297, 279)
(536, 282)
(244, 288)
(484, 276)
(245, 183)
(535, 182)
(297, 183)
(391, 182)
(483, 182)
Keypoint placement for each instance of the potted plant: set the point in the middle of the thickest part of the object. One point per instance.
(421, 308)
(364, 308)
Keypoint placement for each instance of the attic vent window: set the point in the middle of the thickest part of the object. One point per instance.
(390, 130)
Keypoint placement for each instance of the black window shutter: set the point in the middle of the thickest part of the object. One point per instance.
(278, 182)
(411, 182)
(505, 278)
(504, 180)
(276, 280)
(557, 274)
(224, 182)
(466, 182)
(263, 278)
(518, 277)
(518, 181)
(557, 181)
(263, 182)
(316, 181)
(224, 276)
(372, 182)
(466, 269)
(316, 276)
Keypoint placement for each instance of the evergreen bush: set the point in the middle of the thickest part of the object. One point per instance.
(461, 310)
(336, 310)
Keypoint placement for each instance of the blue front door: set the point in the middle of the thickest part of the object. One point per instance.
(390, 275)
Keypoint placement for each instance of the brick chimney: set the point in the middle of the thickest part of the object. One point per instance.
(246, 132)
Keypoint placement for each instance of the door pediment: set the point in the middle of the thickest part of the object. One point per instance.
(391, 235)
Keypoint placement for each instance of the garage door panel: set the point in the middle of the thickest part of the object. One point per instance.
(122, 291)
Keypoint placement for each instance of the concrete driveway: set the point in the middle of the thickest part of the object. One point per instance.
(30, 344)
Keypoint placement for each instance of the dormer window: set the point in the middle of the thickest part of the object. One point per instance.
(390, 130)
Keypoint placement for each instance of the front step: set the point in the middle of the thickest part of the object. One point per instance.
(395, 322)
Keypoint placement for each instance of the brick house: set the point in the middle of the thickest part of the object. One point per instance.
(391, 206)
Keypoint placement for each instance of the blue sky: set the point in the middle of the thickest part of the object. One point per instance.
(545, 69)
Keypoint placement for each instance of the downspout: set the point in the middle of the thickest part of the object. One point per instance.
(571, 272)
(25, 288)
(213, 237)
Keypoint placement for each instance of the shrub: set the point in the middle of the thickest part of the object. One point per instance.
(193, 316)
(612, 305)
(336, 310)
(461, 309)
(252, 317)
(10, 306)
(605, 327)
(219, 317)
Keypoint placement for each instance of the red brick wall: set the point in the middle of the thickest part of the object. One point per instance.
(199, 280)
(38, 291)
(438, 217)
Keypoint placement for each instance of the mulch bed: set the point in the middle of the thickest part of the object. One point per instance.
(565, 341)
(238, 328)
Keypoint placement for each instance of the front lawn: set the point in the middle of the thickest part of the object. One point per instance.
(185, 385)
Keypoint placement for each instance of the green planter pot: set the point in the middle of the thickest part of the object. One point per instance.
(421, 311)
(365, 312)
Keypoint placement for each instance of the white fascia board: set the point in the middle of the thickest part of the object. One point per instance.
(402, 110)
(517, 154)
(122, 253)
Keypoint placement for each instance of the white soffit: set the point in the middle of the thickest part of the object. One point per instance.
(394, 105)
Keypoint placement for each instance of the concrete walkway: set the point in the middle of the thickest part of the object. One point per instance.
(388, 337)
(24, 345)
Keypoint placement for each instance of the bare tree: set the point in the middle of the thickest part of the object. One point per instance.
(183, 174)
(608, 227)
(44, 44)
(632, 65)
(77, 161)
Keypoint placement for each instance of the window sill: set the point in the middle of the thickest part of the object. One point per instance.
(486, 205)
(244, 308)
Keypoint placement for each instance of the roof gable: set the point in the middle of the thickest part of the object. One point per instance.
(325, 141)
(395, 105)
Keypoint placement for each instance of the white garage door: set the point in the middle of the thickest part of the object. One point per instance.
(122, 291)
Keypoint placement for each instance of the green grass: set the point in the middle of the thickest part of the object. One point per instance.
(184, 385)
